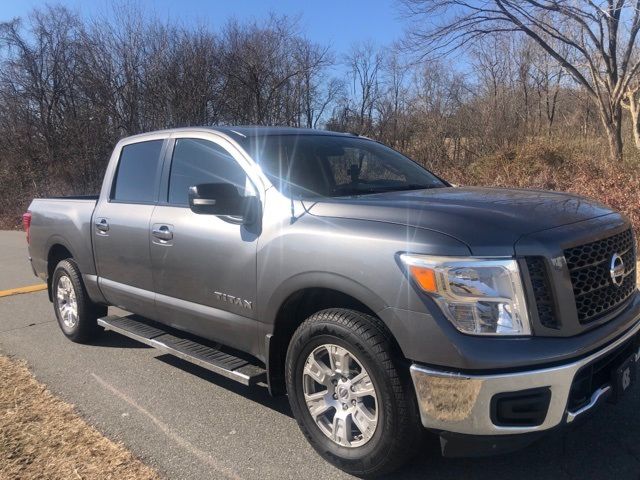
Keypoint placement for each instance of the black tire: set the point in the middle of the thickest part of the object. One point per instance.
(398, 431)
(85, 328)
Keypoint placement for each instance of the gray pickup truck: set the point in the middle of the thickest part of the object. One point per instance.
(384, 301)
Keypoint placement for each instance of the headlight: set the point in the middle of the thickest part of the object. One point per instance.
(479, 296)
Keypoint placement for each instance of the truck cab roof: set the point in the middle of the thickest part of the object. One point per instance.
(244, 132)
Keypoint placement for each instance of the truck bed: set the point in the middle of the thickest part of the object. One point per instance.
(63, 221)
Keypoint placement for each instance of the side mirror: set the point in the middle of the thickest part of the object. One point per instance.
(223, 199)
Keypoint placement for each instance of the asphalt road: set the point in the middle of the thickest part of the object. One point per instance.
(192, 424)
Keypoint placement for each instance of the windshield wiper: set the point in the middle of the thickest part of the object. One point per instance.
(383, 189)
(397, 188)
(410, 186)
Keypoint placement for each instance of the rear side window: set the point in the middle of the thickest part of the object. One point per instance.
(137, 175)
(198, 161)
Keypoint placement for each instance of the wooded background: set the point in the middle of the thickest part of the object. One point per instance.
(524, 93)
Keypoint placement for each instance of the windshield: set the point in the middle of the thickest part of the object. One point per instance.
(335, 166)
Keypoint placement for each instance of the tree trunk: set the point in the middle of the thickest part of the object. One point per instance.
(636, 128)
(634, 108)
(613, 129)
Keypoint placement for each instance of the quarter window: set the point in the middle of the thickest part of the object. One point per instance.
(138, 172)
(198, 161)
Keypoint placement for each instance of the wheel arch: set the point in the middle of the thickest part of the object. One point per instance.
(57, 252)
(301, 303)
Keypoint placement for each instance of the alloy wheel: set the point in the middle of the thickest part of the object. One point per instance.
(340, 395)
(66, 302)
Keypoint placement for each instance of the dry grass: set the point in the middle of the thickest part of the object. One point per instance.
(43, 437)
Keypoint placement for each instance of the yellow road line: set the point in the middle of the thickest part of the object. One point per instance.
(28, 289)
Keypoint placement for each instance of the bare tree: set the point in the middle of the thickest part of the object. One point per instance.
(600, 37)
(547, 77)
(314, 90)
(365, 64)
(40, 79)
(393, 101)
(260, 67)
(496, 72)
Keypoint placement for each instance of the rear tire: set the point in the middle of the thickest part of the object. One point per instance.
(349, 395)
(75, 311)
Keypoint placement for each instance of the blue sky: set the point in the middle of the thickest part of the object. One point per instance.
(333, 22)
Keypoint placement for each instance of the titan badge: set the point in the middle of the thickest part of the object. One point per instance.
(224, 297)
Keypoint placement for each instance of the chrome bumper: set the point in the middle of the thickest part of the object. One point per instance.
(461, 403)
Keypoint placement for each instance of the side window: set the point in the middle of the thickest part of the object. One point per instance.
(198, 161)
(137, 175)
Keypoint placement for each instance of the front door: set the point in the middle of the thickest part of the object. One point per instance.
(204, 266)
(121, 228)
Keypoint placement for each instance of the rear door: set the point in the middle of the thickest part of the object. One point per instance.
(204, 266)
(121, 226)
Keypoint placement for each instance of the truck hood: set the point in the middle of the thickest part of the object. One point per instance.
(488, 220)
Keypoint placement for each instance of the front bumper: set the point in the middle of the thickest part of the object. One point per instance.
(461, 403)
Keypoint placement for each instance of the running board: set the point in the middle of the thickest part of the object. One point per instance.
(212, 359)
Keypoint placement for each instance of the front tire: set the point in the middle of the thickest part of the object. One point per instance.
(348, 395)
(75, 311)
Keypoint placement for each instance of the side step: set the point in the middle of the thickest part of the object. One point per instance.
(222, 363)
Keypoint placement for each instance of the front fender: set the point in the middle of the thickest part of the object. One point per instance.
(320, 279)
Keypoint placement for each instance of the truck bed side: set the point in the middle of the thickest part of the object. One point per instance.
(63, 223)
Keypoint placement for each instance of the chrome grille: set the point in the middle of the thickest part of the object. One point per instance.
(589, 265)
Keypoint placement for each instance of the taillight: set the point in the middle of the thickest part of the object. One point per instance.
(26, 223)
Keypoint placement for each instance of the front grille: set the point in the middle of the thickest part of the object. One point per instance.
(542, 292)
(589, 265)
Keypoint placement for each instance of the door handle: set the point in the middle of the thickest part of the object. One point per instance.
(102, 224)
(162, 232)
